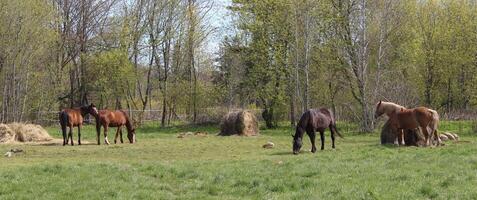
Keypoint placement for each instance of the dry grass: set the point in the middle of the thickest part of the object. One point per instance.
(19, 132)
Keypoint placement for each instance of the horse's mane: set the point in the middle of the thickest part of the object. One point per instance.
(128, 120)
(391, 104)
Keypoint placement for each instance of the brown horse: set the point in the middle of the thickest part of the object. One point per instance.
(74, 117)
(118, 118)
(419, 117)
(315, 120)
(390, 108)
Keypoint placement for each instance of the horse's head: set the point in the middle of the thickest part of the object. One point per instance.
(379, 110)
(297, 143)
(132, 136)
(92, 110)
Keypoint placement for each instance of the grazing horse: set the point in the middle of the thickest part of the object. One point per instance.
(315, 120)
(390, 109)
(74, 117)
(118, 118)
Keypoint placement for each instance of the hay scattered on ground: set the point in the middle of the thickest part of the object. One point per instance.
(18, 132)
(198, 134)
(242, 123)
(268, 145)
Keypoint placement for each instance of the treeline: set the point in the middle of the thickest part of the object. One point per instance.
(282, 56)
(118, 54)
(348, 54)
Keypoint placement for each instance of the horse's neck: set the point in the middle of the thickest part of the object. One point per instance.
(128, 124)
(390, 108)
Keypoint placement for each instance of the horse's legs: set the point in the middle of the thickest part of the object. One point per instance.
(426, 134)
(106, 134)
(332, 137)
(70, 135)
(63, 130)
(117, 134)
(121, 135)
(322, 137)
(396, 138)
(402, 137)
(312, 136)
(439, 141)
(98, 132)
(79, 135)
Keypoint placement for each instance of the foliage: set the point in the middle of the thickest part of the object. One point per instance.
(110, 76)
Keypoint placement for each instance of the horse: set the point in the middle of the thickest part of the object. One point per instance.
(117, 118)
(389, 108)
(74, 117)
(419, 117)
(315, 120)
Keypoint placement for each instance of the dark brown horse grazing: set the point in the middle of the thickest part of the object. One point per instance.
(118, 118)
(315, 120)
(420, 117)
(74, 117)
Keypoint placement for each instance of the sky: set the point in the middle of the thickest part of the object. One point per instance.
(222, 21)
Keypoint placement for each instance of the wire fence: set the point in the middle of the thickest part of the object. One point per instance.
(466, 118)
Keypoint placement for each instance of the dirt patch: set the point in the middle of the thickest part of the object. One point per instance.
(18, 132)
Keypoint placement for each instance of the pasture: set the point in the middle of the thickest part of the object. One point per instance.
(162, 166)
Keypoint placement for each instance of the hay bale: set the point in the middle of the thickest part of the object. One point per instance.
(411, 137)
(18, 132)
(242, 123)
(6, 134)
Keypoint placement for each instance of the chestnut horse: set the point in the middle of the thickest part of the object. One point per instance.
(315, 120)
(391, 109)
(118, 118)
(419, 117)
(74, 117)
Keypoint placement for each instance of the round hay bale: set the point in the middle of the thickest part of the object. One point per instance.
(242, 123)
(6, 134)
(28, 133)
(411, 137)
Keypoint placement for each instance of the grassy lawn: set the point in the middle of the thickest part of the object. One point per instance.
(162, 166)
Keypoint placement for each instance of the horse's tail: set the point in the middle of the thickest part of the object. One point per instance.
(333, 123)
(433, 125)
(63, 117)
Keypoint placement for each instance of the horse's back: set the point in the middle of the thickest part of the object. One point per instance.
(113, 118)
(71, 117)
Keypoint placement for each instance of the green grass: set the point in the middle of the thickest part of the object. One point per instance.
(161, 166)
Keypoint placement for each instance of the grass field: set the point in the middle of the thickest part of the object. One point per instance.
(162, 166)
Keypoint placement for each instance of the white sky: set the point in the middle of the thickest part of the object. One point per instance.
(220, 19)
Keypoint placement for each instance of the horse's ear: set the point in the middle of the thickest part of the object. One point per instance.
(293, 136)
(380, 102)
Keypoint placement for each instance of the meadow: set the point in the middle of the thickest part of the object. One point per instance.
(162, 166)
